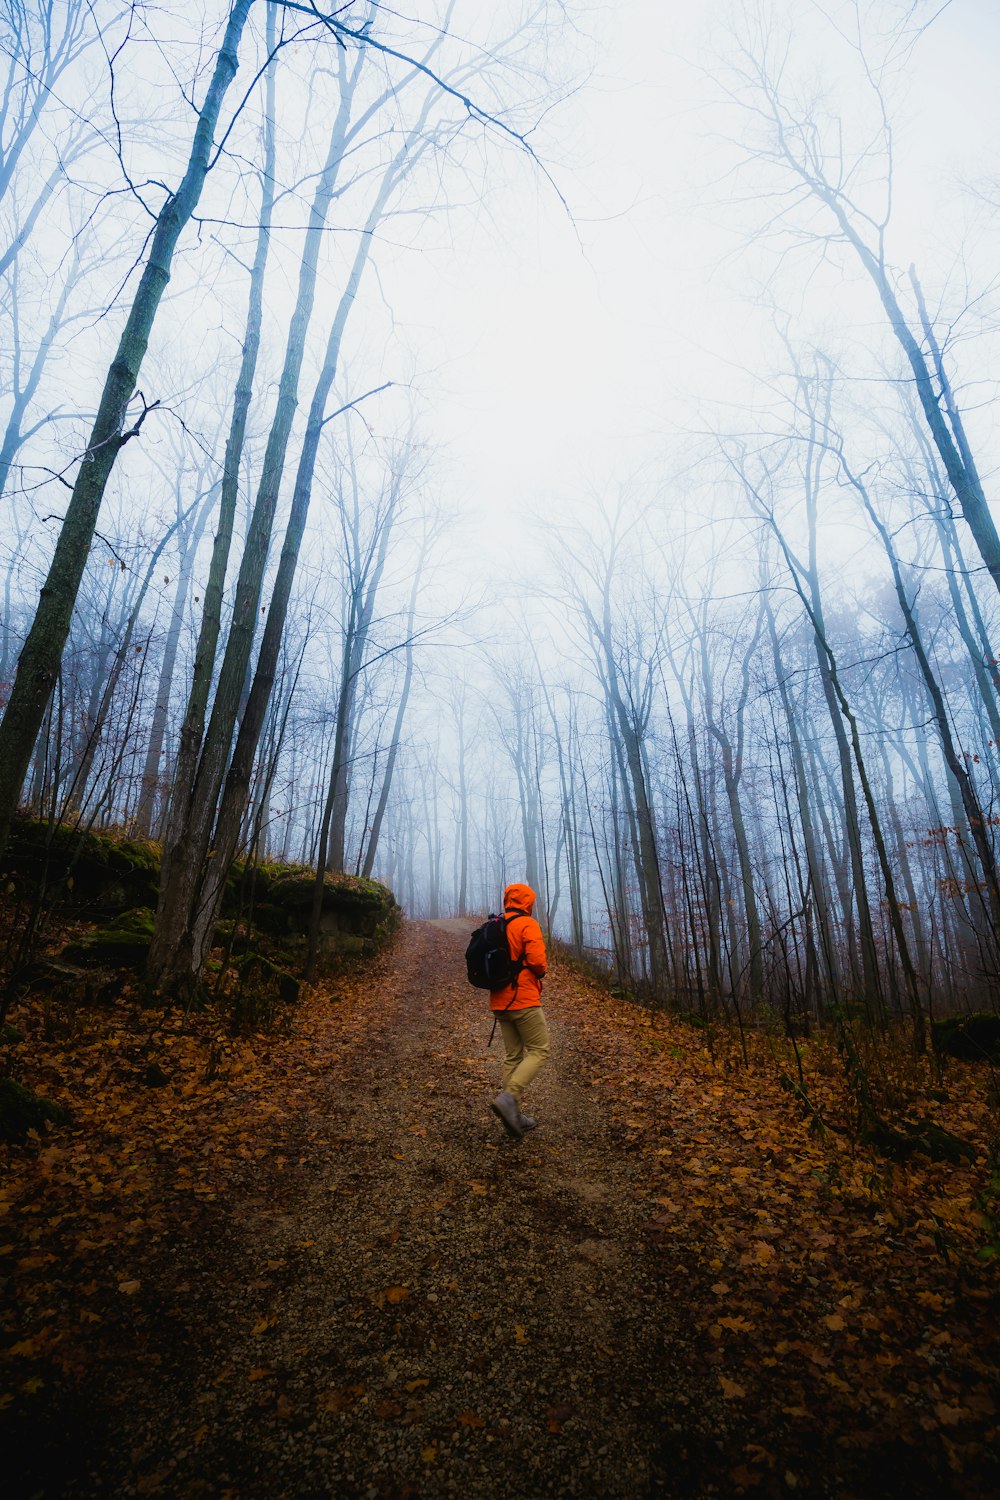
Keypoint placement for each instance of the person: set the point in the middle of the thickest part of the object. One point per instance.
(518, 1008)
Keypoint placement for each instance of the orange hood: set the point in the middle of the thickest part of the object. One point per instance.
(521, 896)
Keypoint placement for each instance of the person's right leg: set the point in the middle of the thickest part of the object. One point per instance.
(513, 1048)
(533, 1035)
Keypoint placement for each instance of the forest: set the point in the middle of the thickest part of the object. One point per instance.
(541, 442)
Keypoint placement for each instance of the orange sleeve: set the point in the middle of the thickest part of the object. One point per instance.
(532, 947)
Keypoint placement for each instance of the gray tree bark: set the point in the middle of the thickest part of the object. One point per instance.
(39, 661)
(173, 957)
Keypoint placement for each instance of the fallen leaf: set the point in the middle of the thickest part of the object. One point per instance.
(340, 1400)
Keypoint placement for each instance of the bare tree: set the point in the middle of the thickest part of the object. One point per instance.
(804, 146)
(38, 664)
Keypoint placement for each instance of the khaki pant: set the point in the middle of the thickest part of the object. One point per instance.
(526, 1047)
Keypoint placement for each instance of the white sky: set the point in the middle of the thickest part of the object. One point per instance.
(553, 359)
(554, 366)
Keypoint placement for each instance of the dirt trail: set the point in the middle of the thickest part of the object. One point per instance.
(409, 1303)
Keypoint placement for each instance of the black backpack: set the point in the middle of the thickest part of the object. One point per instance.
(487, 958)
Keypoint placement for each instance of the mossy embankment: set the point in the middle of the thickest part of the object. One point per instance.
(76, 919)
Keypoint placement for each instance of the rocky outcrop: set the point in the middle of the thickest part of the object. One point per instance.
(83, 869)
(357, 917)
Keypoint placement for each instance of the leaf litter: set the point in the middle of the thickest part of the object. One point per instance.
(775, 1311)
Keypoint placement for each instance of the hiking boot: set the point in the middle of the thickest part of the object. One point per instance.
(505, 1108)
(526, 1122)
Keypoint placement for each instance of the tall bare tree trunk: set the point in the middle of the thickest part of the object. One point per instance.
(150, 783)
(193, 726)
(173, 959)
(817, 873)
(38, 665)
(971, 805)
(390, 764)
(732, 769)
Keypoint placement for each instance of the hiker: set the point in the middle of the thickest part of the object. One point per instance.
(518, 1008)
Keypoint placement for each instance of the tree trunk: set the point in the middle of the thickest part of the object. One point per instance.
(390, 764)
(110, 680)
(150, 783)
(974, 812)
(38, 665)
(173, 958)
(814, 863)
(193, 727)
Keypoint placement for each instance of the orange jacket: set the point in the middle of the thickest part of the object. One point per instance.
(524, 938)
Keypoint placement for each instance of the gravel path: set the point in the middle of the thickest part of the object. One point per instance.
(410, 1304)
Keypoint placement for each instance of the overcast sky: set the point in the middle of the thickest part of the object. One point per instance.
(561, 354)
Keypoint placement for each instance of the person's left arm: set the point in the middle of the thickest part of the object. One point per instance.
(534, 948)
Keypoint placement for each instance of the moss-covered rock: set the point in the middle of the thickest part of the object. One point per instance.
(81, 868)
(22, 1111)
(271, 919)
(974, 1038)
(357, 915)
(266, 907)
(359, 902)
(124, 942)
(251, 886)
